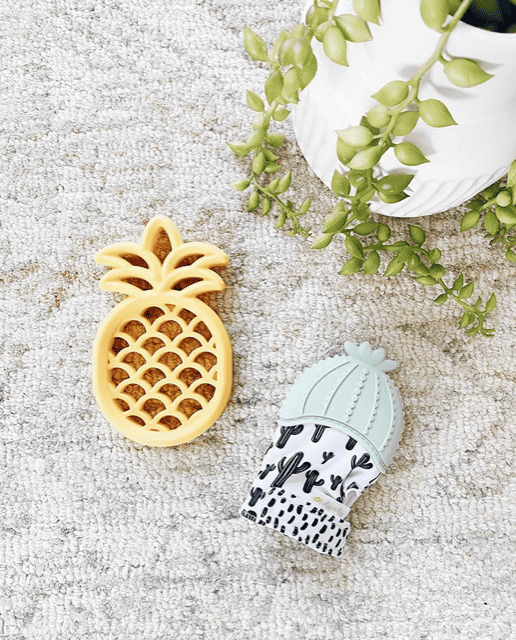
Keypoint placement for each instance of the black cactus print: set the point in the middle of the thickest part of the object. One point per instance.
(312, 480)
(327, 456)
(335, 481)
(350, 444)
(256, 494)
(342, 497)
(268, 448)
(363, 463)
(289, 468)
(266, 471)
(373, 480)
(318, 433)
(286, 432)
(342, 493)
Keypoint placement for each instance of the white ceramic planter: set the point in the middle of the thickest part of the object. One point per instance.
(464, 159)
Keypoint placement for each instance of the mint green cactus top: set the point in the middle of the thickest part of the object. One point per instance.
(352, 393)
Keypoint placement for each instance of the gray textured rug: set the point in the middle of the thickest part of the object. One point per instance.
(112, 112)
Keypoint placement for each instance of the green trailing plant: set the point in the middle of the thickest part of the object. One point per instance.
(398, 110)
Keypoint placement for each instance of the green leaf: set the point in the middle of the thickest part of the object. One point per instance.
(321, 30)
(473, 332)
(407, 153)
(291, 82)
(281, 219)
(465, 73)
(259, 162)
(511, 176)
(418, 266)
(441, 299)
(307, 71)
(469, 220)
(266, 205)
(392, 93)
(354, 247)
(490, 192)
(344, 151)
(467, 291)
(491, 222)
(435, 113)
(254, 201)
(506, 215)
(316, 15)
(362, 211)
(353, 28)
(392, 198)
(365, 158)
(273, 86)
(357, 179)
(365, 228)
(490, 304)
(336, 220)
(334, 46)
(259, 121)
(371, 263)
(285, 182)
(256, 139)
(270, 155)
(272, 167)
(459, 282)
(352, 266)
(355, 136)
(405, 254)
(241, 186)
(239, 149)
(255, 45)
(322, 241)
(378, 116)
(368, 10)
(275, 139)
(281, 114)
(504, 198)
(427, 281)
(273, 185)
(417, 234)
(437, 271)
(434, 255)
(467, 318)
(295, 50)
(340, 185)
(383, 233)
(405, 123)
(305, 206)
(434, 13)
(394, 267)
(510, 255)
(278, 43)
(254, 101)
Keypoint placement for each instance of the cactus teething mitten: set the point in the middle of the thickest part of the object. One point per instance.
(338, 431)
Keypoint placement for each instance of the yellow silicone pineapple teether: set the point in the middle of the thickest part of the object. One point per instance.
(162, 364)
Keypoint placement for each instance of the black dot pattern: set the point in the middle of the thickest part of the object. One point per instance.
(300, 519)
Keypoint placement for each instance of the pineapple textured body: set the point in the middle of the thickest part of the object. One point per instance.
(162, 359)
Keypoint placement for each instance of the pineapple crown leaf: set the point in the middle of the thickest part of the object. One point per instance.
(157, 263)
(131, 282)
(157, 229)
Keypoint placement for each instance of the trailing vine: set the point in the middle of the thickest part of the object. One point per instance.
(292, 66)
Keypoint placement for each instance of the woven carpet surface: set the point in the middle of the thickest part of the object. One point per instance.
(114, 111)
